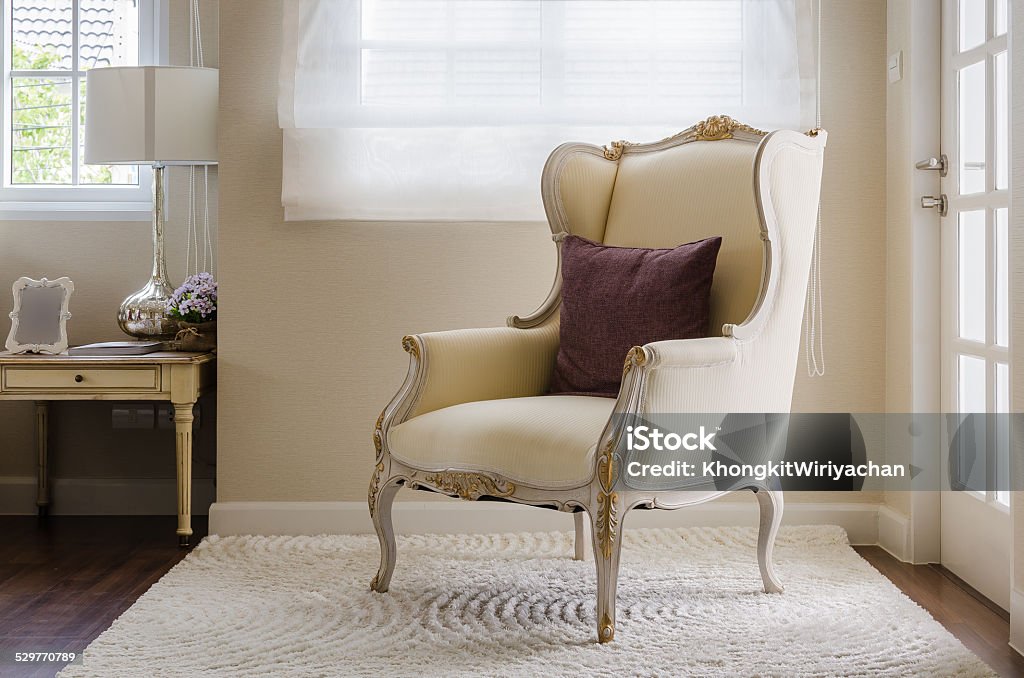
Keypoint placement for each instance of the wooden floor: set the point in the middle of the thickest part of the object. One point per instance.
(977, 622)
(64, 580)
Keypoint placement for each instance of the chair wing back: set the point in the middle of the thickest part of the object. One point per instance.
(702, 182)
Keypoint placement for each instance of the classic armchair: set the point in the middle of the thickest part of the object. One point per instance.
(472, 419)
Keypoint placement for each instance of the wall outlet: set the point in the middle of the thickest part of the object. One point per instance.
(165, 415)
(132, 416)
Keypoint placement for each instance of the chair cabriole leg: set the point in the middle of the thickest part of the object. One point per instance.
(771, 505)
(607, 546)
(380, 501)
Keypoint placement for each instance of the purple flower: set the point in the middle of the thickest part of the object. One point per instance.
(196, 300)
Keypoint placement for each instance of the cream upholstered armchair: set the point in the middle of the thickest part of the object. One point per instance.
(472, 419)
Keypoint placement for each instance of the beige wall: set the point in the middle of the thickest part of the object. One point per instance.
(107, 261)
(314, 312)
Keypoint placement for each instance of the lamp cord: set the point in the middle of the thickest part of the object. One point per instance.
(813, 310)
(197, 260)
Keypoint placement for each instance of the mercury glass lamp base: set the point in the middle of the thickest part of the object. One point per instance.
(144, 314)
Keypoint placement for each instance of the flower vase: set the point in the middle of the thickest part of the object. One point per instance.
(196, 337)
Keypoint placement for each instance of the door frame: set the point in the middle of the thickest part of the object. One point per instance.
(920, 45)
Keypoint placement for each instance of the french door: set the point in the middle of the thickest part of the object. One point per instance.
(975, 350)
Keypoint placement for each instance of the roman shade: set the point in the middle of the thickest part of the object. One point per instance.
(446, 109)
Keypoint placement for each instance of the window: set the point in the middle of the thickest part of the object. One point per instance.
(447, 109)
(49, 46)
(501, 59)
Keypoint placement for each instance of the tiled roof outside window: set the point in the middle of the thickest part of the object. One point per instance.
(44, 26)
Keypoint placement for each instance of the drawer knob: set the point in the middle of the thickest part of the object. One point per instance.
(79, 378)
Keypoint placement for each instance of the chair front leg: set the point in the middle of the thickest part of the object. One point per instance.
(380, 497)
(606, 531)
(771, 505)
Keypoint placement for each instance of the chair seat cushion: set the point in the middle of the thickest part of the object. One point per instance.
(545, 441)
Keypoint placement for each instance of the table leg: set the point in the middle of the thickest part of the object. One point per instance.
(43, 471)
(183, 449)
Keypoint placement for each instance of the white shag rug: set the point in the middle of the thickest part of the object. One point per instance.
(689, 604)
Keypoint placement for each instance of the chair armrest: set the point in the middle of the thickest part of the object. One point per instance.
(707, 352)
(460, 366)
(710, 375)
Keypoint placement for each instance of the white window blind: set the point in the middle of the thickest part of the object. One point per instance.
(447, 109)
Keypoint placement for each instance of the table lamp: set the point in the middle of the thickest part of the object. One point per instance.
(159, 116)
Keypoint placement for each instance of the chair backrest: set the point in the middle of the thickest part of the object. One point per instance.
(699, 183)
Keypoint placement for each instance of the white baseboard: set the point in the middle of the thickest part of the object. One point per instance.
(894, 533)
(419, 517)
(104, 496)
(1017, 619)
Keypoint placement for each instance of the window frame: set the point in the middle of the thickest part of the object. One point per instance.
(77, 203)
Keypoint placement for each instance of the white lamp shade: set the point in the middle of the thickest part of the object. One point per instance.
(150, 115)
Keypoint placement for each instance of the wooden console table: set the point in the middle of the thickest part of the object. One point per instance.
(180, 378)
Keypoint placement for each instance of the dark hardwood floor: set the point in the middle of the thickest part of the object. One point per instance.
(65, 579)
(979, 624)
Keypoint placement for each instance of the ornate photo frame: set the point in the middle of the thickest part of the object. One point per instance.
(27, 317)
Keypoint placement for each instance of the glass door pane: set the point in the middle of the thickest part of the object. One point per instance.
(1002, 281)
(972, 24)
(971, 376)
(971, 114)
(1002, 104)
(1001, 17)
(972, 272)
(1002, 424)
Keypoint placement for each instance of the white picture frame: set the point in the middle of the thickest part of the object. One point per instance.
(40, 316)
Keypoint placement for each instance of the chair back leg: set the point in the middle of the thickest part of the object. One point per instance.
(582, 527)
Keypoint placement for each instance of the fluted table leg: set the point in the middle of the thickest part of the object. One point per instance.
(183, 452)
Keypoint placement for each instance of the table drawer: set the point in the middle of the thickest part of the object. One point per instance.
(24, 379)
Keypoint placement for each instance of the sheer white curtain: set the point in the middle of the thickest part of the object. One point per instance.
(447, 109)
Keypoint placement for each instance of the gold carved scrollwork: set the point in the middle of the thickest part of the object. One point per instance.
(613, 151)
(470, 485)
(378, 434)
(371, 494)
(719, 127)
(715, 128)
(378, 469)
(410, 346)
(607, 501)
(636, 356)
(606, 633)
(607, 521)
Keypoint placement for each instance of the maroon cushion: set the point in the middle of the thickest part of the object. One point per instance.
(614, 298)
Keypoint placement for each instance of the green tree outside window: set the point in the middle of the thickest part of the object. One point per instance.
(41, 125)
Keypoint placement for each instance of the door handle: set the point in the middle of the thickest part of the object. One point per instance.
(940, 163)
(931, 202)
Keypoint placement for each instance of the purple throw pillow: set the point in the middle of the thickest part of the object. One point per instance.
(614, 298)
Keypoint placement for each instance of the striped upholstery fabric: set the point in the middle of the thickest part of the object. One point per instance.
(546, 441)
(486, 363)
(688, 193)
